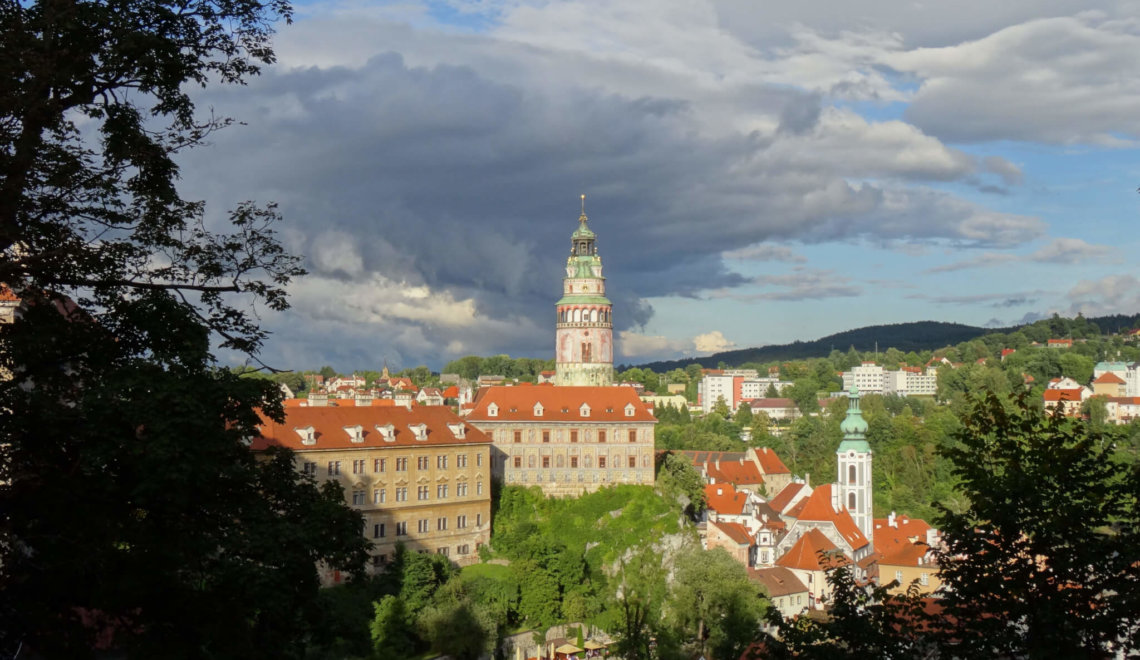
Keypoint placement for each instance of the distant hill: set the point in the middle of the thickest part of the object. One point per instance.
(917, 336)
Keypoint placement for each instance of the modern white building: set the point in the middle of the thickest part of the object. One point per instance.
(867, 377)
(911, 381)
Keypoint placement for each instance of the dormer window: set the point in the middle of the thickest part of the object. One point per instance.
(629, 410)
(388, 432)
(420, 431)
(308, 434)
(457, 430)
(355, 433)
(584, 411)
(538, 410)
(492, 410)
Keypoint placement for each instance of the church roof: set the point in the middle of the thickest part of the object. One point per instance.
(817, 508)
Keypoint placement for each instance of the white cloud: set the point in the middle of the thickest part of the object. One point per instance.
(713, 341)
(1058, 251)
(631, 344)
(1114, 294)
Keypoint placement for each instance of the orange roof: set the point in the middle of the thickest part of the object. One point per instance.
(724, 499)
(451, 392)
(777, 581)
(329, 424)
(782, 499)
(817, 508)
(904, 544)
(1063, 395)
(7, 294)
(735, 472)
(560, 404)
(805, 554)
(1109, 377)
(1060, 342)
(734, 530)
(770, 462)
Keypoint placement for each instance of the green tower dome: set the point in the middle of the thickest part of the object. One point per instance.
(854, 427)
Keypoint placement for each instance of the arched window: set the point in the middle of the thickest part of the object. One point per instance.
(850, 474)
(851, 501)
(577, 316)
(587, 353)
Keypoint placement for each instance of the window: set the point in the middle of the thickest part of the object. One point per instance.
(379, 465)
(460, 522)
(601, 461)
(573, 461)
(546, 436)
(851, 474)
(442, 551)
(334, 468)
(441, 491)
(401, 494)
(357, 498)
(574, 435)
(518, 437)
(358, 467)
(633, 461)
(851, 501)
(379, 496)
(461, 490)
(422, 493)
(518, 461)
(401, 465)
(478, 519)
(546, 461)
(379, 560)
(378, 531)
(441, 462)
(401, 529)
(479, 488)
(462, 549)
(633, 435)
(441, 524)
(478, 460)
(461, 461)
(601, 436)
(924, 579)
(424, 526)
(310, 469)
(421, 462)
(898, 577)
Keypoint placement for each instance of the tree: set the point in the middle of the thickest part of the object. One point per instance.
(771, 392)
(131, 500)
(743, 415)
(677, 478)
(327, 372)
(634, 613)
(715, 603)
(721, 409)
(391, 635)
(1043, 561)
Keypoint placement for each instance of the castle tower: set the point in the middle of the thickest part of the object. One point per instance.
(584, 343)
(853, 488)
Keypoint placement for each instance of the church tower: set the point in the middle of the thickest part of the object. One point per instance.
(853, 489)
(584, 343)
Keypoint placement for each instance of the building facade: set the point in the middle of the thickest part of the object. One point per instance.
(421, 477)
(568, 440)
(584, 345)
(854, 487)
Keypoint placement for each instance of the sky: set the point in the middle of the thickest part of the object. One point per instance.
(756, 172)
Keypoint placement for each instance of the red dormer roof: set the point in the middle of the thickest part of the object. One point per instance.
(329, 424)
(735, 472)
(725, 500)
(1109, 378)
(904, 543)
(735, 531)
(560, 404)
(805, 554)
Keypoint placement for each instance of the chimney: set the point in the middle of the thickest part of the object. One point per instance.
(891, 520)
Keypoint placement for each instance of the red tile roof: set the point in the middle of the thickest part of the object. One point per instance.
(7, 294)
(805, 554)
(782, 499)
(770, 462)
(1110, 378)
(734, 530)
(1063, 395)
(561, 404)
(451, 392)
(773, 403)
(817, 508)
(903, 544)
(329, 427)
(724, 499)
(735, 472)
(777, 581)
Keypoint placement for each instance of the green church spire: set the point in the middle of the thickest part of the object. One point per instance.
(854, 427)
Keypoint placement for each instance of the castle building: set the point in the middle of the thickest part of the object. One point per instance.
(853, 487)
(419, 476)
(567, 440)
(584, 340)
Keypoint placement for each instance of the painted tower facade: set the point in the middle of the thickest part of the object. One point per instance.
(853, 488)
(584, 348)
